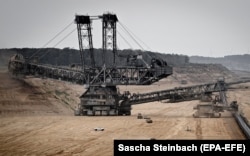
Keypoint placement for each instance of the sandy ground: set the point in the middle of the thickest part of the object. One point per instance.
(36, 118)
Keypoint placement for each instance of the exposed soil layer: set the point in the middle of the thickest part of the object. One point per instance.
(36, 118)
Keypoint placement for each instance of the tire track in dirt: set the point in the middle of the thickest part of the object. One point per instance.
(198, 129)
(230, 127)
(69, 135)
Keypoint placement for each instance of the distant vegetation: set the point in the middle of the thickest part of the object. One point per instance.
(68, 56)
(232, 62)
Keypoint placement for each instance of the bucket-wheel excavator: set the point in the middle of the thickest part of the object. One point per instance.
(101, 79)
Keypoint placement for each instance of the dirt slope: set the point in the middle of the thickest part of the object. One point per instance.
(33, 96)
(37, 119)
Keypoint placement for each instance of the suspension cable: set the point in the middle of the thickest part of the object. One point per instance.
(59, 41)
(133, 38)
(124, 39)
(130, 35)
(136, 37)
(52, 39)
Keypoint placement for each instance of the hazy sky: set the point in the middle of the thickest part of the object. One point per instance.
(190, 27)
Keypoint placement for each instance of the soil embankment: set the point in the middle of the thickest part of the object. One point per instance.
(37, 117)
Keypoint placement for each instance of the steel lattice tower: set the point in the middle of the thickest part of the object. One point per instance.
(109, 34)
(85, 38)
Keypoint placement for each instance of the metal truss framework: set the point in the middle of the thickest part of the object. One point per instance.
(128, 75)
(181, 93)
(109, 34)
(84, 38)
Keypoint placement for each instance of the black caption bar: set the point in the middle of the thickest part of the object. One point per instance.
(173, 147)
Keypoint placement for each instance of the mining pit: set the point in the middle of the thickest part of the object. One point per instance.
(36, 115)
